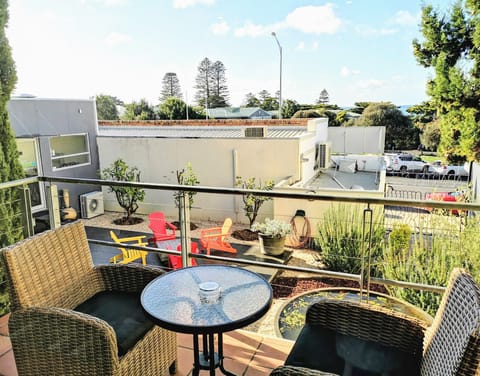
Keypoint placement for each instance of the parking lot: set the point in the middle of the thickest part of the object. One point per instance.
(416, 186)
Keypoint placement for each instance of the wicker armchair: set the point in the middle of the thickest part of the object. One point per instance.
(350, 339)
(50, 276)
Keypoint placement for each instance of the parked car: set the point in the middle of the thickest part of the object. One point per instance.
(409, 163)
(446, 196)
(439, 168)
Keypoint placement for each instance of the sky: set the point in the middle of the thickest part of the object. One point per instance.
(358, 50)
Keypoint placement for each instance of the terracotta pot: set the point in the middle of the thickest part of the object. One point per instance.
(270, 245)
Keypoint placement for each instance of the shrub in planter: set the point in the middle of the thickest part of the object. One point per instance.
(341, 239)
(127, 197)
(426, 258)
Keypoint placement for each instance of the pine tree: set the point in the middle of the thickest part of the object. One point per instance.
(324, 97)
(10, 168)
(170, 87)
(211, 84)
(219, 85)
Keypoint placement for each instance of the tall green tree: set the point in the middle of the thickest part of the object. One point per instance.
(219, 85)
(211, 84)
(450, 48)
(141, 110)
(289, 107)
(251, 101)
(263, 94)
(170, 87)
(323, 98)
(399, 131)
(269, 104)
(203, 83)
(10, 168)
(106, 107)
(172, 108)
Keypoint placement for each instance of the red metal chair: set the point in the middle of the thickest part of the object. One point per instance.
(162, 230)
(175, 262)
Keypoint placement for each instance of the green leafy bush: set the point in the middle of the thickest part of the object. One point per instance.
(428, 260)
(252, 202)
(127, 197)
(341, 239)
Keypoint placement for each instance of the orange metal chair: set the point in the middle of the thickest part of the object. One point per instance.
(129, 255)
(162, 230)
(214, 238)
(175, 262)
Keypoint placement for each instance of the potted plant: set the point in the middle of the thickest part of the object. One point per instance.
(272, 234)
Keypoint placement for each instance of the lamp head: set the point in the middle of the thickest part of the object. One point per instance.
(273, 33)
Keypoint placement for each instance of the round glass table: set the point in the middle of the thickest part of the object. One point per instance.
(207, 300)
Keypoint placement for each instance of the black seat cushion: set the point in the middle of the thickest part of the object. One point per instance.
(375, 359)
(123, 312)
(315, 349)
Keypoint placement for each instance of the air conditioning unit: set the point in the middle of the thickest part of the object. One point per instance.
(91, 204)
(256, 132)
(322, 156)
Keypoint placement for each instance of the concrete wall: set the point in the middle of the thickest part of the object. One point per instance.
(215, 162)
(357, 140)
(285, 209)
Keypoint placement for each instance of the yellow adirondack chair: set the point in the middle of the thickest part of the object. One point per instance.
(129, 255)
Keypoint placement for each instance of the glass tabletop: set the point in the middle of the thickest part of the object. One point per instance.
(176, 302)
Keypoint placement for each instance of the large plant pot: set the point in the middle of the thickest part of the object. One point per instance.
(271, 246)
(291, 316)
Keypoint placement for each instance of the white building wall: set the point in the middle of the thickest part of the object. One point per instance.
(213, 162)
(357, 140)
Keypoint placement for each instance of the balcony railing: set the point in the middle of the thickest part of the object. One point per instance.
(445, 225)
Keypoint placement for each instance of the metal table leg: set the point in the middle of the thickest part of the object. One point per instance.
(208, 359)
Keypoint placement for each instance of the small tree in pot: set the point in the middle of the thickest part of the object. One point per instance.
(127, 197)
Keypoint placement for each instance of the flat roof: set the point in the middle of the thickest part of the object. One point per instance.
(283, 131)
(334, 179)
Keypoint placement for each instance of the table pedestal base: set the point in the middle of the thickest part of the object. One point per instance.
(208, 359)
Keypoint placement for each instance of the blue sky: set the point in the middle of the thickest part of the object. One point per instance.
(358, 50)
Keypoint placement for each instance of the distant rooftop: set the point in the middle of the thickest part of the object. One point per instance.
(198, 132)
(228, 128)
(238, 113)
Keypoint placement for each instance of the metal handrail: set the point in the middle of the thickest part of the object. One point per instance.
(311, 196)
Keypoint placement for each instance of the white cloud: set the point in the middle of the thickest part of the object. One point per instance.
(252, 30)
(403, 17)
(346, 72)
(182, 4)
(220, 28)
(301, 46)
(368, 31)
(308, 20)
(114, 39)
(314, 19)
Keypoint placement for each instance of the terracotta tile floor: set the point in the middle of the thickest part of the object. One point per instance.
(246, 353)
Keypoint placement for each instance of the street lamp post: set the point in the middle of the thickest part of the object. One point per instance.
(280, 99)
